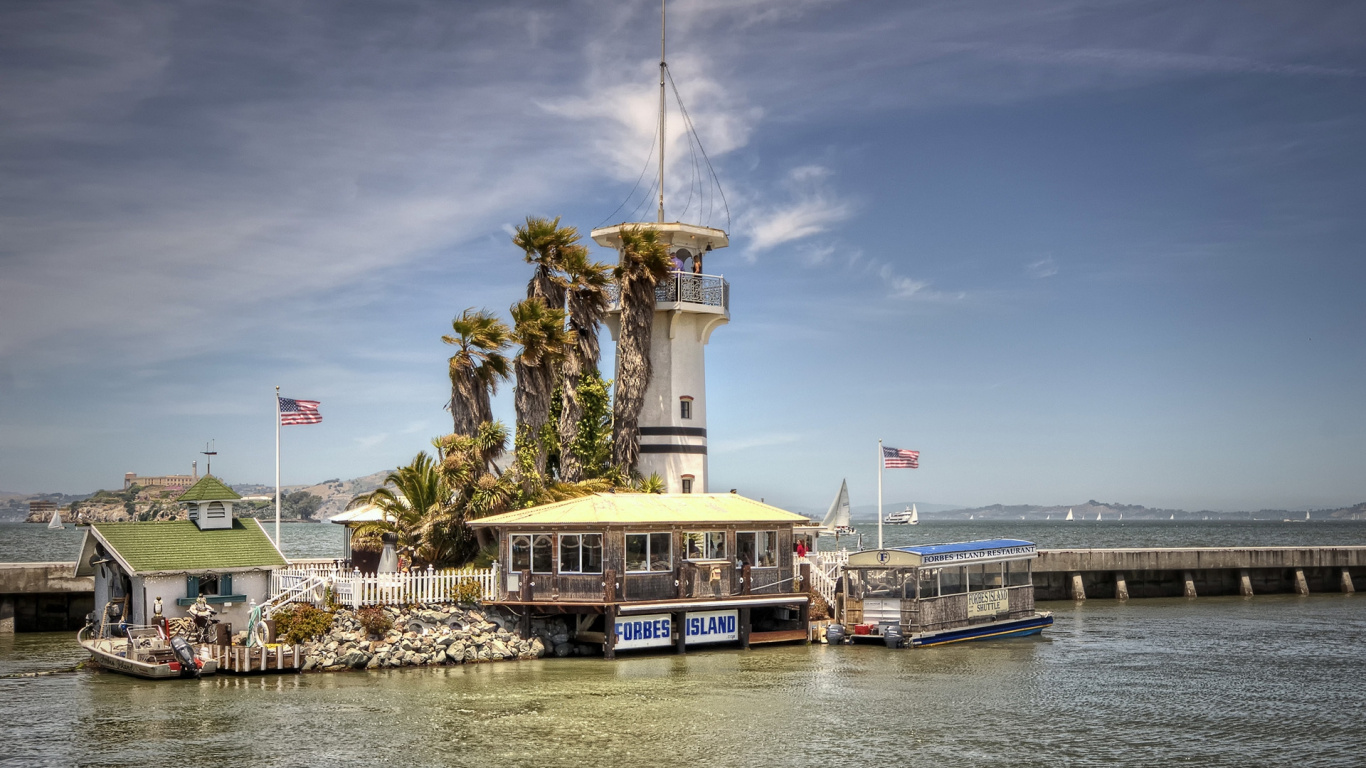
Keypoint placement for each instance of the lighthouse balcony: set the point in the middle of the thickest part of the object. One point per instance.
(684, 290)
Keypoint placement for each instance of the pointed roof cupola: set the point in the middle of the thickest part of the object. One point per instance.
(209, 502)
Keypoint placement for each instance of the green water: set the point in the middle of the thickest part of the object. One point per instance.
(1265, 681)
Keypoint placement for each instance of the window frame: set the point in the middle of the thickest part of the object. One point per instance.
(650, 554)
(706, 545)
(550, 545)
(580, 536)
(685, 409)
(512, 551)
(772, 550)
(687, 482)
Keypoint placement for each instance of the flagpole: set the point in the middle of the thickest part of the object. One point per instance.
(880, 462)
(277, 467)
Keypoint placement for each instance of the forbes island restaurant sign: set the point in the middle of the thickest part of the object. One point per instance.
(656, 630)
(988, 602)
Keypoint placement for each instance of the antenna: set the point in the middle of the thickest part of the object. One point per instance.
(210, 453)
(662, 65)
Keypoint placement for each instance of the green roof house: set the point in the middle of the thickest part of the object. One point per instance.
(226, 560)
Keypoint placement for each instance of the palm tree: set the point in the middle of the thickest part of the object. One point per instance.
(416, 503)
(476, 367)
(586, 284)
(467, 465)
(544, 243)
(540, 331)
(644, 262)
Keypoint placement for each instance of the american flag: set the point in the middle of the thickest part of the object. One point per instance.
(299, 411)
(899, 458)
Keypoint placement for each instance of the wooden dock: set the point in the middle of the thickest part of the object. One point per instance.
(241, 660)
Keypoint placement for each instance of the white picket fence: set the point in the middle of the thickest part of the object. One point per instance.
(354, 589)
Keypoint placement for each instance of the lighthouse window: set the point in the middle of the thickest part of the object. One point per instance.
(581, 553)
(687, 483)
(758, 549)
(649, 552)
(685, 408)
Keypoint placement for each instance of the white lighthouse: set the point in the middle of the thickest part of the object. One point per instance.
(689, 305)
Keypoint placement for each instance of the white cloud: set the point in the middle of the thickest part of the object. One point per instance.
(811, 209)
(1045, 267)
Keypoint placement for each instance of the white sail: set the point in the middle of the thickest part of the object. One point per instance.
(56, 521)
(1121, 515)
(915, 516)
(1069, 515)
(838, 516)
(1306, 515)
(1097, 517)
(1173, 517)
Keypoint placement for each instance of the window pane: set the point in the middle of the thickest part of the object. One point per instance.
(541, 561)
(991, 577)
(744, 548)
(716, 545)
(950, 581)
(1018, 575)
(569, 553)
(695, 543)
(637, 552)
(975, 581)
(768, 549)
(592, 553)
(660, 546)
(521, 553)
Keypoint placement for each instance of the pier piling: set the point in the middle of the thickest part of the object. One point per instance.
(1121, 587)
(1189, 578)
(1244, 583)
(1347, 586)
(1078, 588)
(1301, 584)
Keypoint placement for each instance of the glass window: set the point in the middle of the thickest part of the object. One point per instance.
(706, 545)
(975, 577)
(744, 547)
(685, 408)
(929, 584)
(687, 484)
(542, 560)
(208, 585)
(649, 552)
(951, 581)
(758, 549)
(1017, 573)
(581, 553)
(521, 552)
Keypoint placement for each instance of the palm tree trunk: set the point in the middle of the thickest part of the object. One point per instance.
(633, 369)
(470, 402)
(532, 402)
(571, 469)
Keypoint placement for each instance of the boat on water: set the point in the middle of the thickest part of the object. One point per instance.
(1098, 514)
(922, 596)
(1069, 515)
(144, 651)
(55, 524)
(837, 519)
(908, 516)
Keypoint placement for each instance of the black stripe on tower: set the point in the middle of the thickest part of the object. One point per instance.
(669, 448)
(674, 431)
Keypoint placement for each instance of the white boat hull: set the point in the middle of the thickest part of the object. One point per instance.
(111, 655)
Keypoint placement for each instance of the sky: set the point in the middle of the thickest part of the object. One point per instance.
(1067, 250)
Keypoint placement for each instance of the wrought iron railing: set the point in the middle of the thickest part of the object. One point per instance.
(708, 290)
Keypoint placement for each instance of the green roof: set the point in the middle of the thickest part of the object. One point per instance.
(209, 488)
(179, 545)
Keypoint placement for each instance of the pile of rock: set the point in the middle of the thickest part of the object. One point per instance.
(423, 635)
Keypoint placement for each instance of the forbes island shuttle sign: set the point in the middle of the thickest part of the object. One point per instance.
(656, 630)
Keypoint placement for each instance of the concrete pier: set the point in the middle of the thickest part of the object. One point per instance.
(43, 597)
(1069, 574)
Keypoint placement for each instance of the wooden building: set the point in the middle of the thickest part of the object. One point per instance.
(639, 570)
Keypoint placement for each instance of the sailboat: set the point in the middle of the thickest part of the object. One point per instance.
(837, 519)
(1069, 515)
(1173, 517)
(55, 524)
(1121, 515)
(970, 517)
(1097, 517)
(907, 516)
(1050, 517)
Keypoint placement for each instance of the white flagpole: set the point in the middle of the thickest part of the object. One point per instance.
(880, 462)
(277, 468)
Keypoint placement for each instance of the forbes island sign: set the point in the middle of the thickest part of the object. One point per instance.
(988, 602)
(656, 630)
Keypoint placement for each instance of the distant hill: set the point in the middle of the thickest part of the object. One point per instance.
(335, 493)
(1090, 509)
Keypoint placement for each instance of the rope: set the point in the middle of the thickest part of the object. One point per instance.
(654, 140)
(688, 120)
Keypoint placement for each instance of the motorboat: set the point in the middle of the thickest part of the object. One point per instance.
(143, 651)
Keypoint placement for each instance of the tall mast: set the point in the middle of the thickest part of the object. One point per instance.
(661, 109)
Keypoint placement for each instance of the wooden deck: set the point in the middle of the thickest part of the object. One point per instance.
(240, 660)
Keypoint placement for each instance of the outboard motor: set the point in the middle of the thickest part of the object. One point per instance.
(891, 635)
(834, 634)
(189, 665)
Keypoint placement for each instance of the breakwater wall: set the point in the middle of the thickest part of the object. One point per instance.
(44, 597)
(1080, 574)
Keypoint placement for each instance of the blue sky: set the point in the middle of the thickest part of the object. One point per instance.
(1067, 250)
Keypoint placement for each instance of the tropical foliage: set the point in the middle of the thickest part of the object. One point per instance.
(541, 333)
(476, 368)
(586, 302)
(644, 262)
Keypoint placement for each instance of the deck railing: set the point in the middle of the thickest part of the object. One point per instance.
(708, 290)
(825, 571)
(354, 589)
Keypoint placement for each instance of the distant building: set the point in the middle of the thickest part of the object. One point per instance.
(161, 481)
(41, 508)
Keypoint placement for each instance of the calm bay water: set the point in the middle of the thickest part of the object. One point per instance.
(1271, 680)
(27, 542)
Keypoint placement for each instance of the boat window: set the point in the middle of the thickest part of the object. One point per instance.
(542, 560)
(1017, 573)
(985, 576)
(647, 552)
(705, 545)
(758, 549)
(521, 552)
(581, 553)
(929, 582)
(951, 581)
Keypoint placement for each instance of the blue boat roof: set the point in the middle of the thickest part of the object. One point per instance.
(964, 546)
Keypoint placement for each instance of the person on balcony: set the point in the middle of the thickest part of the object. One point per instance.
(697, 264)
(677, 263)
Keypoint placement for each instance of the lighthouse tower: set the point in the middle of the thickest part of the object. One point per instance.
(689, 305)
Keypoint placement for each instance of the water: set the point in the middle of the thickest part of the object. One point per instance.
(29, 542)
(1271, 680)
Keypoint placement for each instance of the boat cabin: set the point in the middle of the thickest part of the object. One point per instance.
(213, 554)
(939, 593)
(643, 570)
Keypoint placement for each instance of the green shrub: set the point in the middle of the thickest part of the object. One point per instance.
(375, 620)
(468, 591)
(301, 623)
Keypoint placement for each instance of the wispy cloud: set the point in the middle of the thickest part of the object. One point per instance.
(1045, 267)
(757, 441)
(811, 209)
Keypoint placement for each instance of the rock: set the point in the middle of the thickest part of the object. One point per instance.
(499, 649)
(374, 663)
(440, 657)
(563, 649)
(471, 653)
(559, 637)
(444, 641)
(538, 648)
(310, 662)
